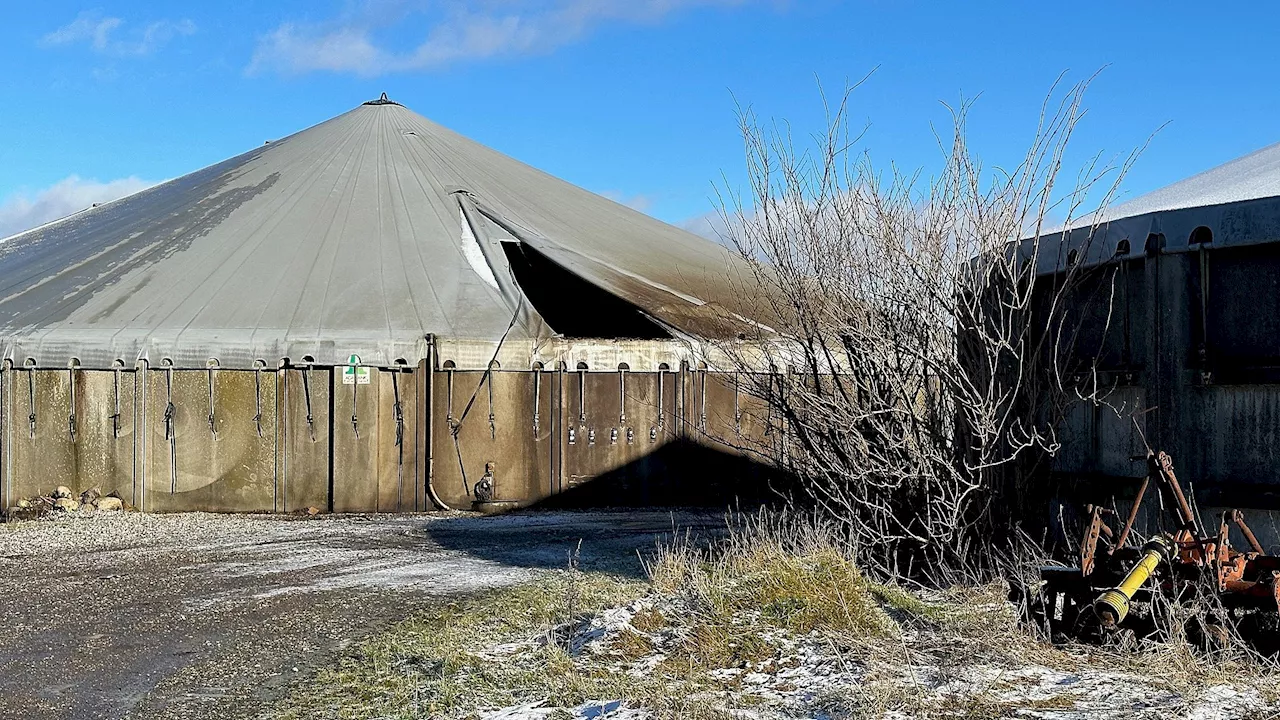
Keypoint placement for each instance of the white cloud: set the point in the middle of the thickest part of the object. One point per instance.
(23, 211)
(709, 225)
(640, 203)
(106, 35)
(465, 30)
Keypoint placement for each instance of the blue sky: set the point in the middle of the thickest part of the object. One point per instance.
(631, 98)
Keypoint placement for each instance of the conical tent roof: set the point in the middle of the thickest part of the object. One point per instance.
(1236, 203)
(365, 234)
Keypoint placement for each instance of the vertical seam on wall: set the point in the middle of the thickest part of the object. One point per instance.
(282, 433)
(428, 386)
(332, 426)
(140, 431)
(278, 480)
(6, 446)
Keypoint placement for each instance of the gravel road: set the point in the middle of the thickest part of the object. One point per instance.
(213, 616)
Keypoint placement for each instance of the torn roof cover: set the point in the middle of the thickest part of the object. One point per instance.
(1236, 203)
(350, 237)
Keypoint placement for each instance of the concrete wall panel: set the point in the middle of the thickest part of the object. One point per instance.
(612, 456)
(105, 444)
(594, 442)
(355, 444)
(397, 450)
(305, 444)
(522, 455)
(226, 468)
(99, 455)
(44, 457)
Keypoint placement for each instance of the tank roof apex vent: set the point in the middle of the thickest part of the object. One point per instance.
(383, 100)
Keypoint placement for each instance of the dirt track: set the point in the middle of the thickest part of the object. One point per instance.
(207, 616)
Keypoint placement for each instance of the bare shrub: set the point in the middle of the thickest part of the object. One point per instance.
(915, 350)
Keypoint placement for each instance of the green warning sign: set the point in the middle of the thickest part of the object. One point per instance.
(353, 373)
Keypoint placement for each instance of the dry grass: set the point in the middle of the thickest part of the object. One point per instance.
(431, 665)
(799, 579)
(732, 607)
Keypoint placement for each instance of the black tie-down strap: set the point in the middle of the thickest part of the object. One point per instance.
(355, 418)
(71, 416)
(31, 402)
(213, 421)
(537, 400)
(306, 392)
(115, 415)
(170, 432)
(399, 414)
(257, 399)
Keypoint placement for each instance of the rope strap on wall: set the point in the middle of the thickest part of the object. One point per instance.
(31, 402)
(306, 392)
(622, 396)
(213, 423)
(71, 416)
(537, 400)
(115, 416)
(493, 427)
(399, 415)
(257, 400)
(170, 432)
(662, 401)
(702, 405)
(355, 419)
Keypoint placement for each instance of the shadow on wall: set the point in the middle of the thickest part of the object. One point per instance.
(681, 473)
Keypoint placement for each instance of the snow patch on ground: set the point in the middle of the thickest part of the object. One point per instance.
(610, 710)
(806, 676)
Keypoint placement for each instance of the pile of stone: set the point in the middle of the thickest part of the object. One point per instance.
(63, 502)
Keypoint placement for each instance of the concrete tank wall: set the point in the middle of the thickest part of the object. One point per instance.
(66, 441)
(236, 440)
(1191, 349)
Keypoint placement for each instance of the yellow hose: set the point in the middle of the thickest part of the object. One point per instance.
(1113, 605)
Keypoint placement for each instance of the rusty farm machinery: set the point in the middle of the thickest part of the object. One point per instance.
(1119, 586)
